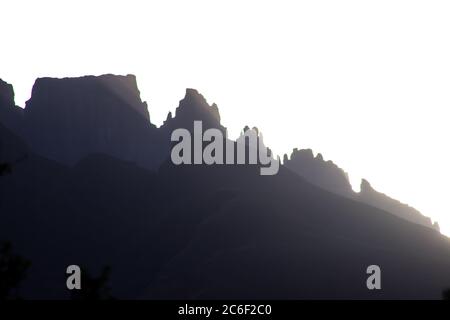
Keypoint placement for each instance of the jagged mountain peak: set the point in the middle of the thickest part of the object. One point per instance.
(6, 93)
(194, 103)
(378, 199)
(10, 114)
(300, 154)
(365, 186)
(205, 215)
(319, 157)
(69, 118)
(329, 176)
(316, 170)
(104, 91)
(194, 107)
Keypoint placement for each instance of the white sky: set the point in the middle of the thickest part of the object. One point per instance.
(366, 83)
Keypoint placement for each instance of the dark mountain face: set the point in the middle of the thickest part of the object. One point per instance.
(324, 174)
(210, 232)
(6, 94)
(370, 196)
(195, 231)
(329, 176)
(68, 119)
(10, 115)
(281, 237)
(193, 107)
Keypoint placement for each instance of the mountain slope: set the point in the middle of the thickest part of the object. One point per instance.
(330, 177)
(210, 232)
(220, 231)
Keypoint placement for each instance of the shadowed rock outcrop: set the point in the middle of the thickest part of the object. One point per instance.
(377, 199)
(71, 118)
(193, 232)
(324, 174)
(329, 176)
(191, 108)
(68, 119)
(11, 116)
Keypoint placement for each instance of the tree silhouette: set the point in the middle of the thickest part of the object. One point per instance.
(12, 271)
(93, 288)
(5, 168)
(13, 267)
(446, 294)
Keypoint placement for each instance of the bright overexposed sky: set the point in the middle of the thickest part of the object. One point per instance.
(366, 83)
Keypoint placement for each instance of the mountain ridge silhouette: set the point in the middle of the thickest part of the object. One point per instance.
(107, 92)
(329, 176)
(171, 232)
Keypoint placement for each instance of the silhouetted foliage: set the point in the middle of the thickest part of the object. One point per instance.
(13, 270)
(5, 168)
(446, 294)
(94, 288)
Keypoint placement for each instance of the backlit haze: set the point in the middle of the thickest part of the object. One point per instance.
(366, 83)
